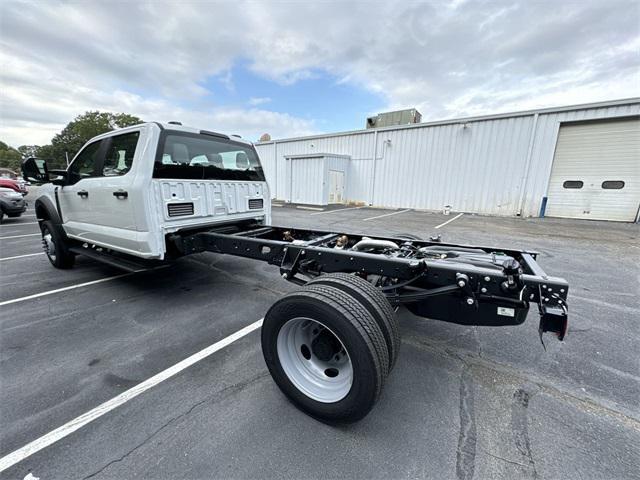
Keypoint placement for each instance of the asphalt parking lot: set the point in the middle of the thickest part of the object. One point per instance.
(462, 402)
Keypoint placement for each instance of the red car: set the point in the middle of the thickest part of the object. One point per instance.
(13, 185)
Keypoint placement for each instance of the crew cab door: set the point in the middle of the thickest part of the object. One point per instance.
(98, 206)
(74, 197)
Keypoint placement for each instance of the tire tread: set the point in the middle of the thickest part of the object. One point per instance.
(382, 308)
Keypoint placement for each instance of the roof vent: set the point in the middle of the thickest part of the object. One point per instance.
(173, 122)
(400, 117)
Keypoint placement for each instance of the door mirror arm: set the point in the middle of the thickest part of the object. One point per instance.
(61, 177)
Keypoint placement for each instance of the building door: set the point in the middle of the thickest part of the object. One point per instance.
(336, 186)
(596, 171)
(306, 184)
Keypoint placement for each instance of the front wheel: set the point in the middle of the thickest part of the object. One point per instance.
(326, 353)
(55, 246)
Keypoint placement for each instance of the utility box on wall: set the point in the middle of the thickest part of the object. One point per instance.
(317, 178)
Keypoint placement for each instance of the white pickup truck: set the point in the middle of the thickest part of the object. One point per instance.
(154, 192)
(126, 190)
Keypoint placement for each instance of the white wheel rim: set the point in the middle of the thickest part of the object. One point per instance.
(326, 381)
(49, 245)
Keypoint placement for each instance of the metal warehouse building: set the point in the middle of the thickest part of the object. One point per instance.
(579, 161)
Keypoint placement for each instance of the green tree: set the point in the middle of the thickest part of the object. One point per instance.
(10, 157)
(80, 130)
(28, 150)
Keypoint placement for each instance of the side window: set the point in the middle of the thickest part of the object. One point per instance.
(85, 163)
(119, 157)
(613, 184)
(573, 184)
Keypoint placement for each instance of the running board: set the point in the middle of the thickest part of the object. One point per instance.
(114, 260)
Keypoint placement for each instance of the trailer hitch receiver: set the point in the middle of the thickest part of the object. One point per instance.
(553, 319)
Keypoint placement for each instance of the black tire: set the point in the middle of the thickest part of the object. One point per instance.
(358, 333)
(374, 301)
(60, 257)
(14, 215)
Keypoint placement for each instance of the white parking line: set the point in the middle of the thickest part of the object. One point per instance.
(450, 220)
(309, 208)
(338, 210)
(20, 236)
(387, 215)
(77, 285)
(79, 422)
(17, 224)
(21, 256)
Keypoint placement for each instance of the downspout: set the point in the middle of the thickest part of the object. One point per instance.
(275, 158)
(290, 167)
(527, 165)
(375, 161)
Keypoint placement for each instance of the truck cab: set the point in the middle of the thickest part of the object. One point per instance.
(128, 189)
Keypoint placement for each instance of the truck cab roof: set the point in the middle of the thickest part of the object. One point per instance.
(176, 128)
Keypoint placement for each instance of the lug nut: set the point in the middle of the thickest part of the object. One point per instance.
(461, 283)
(470, 301)
(483, 290)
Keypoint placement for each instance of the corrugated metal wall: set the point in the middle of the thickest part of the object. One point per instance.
(490, 166)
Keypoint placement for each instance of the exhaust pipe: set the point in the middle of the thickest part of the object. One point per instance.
(371, 243)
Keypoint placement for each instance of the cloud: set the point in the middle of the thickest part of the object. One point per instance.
(445, 58)
(259, 100)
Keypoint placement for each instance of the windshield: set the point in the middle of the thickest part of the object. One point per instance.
(202, 157)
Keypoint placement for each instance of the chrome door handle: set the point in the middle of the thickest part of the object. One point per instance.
(120, 194)
(83, 193)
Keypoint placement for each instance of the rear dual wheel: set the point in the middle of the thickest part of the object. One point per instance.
(374, 301)
(326, 352)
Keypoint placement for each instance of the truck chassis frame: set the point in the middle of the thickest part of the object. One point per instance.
(469, 289)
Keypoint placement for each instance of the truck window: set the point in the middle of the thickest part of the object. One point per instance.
(119, 157)
(85, 164)
(202, 157)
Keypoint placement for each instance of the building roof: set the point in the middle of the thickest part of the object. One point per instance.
(583, 106)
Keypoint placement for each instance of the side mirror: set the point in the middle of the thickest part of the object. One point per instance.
(35, 170)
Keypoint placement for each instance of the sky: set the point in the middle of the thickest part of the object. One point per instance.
(298, 68)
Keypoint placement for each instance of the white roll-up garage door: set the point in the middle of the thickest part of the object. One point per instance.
(596, 171)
